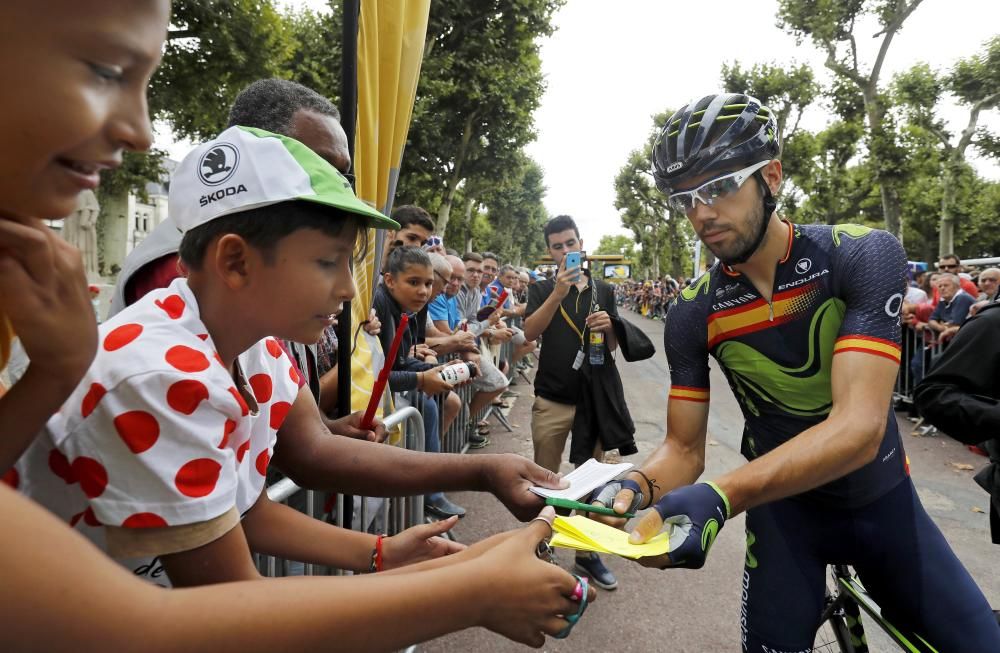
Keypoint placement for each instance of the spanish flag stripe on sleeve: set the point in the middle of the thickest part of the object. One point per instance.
(868, 345)
(686, 393)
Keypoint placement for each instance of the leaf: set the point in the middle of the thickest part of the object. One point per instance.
(965, 467)
(713, 443)
(978, 509)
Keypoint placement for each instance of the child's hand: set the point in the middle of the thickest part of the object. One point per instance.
(43, 290)
(373, 327)
(419, 543)
(433, 383)
(526, 598)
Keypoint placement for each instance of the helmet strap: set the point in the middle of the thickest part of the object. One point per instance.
(770, 204)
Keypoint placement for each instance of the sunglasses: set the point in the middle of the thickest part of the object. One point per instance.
(713, 190)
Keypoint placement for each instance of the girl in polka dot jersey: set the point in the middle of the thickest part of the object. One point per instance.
(58, 592)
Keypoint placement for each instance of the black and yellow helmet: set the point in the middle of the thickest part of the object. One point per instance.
(726, 131)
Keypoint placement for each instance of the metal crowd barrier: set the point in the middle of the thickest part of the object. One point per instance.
(387, 515)
(918, 356)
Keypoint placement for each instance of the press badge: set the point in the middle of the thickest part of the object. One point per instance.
(578, 361)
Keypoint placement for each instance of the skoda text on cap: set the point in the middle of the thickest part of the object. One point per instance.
(245, 168)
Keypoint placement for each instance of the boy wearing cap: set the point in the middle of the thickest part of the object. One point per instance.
(167, 440)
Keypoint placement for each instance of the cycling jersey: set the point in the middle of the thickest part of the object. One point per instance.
(837, 289)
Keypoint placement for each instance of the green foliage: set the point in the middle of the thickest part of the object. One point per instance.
(617, 244)
(479, 85)
(137, 170)
(214, 49)
(665, 237)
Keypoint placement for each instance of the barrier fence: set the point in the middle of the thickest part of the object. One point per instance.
(372, 514)
(919, 353)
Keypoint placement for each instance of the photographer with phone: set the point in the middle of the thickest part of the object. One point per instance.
(566, 311)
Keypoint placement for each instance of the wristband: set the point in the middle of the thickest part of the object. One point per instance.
(377, 562)
(651, 485)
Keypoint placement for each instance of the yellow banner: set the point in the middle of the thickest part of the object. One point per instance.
(391, 36)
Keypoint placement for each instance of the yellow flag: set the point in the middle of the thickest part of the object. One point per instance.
(391, 36)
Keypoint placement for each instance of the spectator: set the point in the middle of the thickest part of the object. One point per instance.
(951, 263)
(415, 228)
(952, 309)
(407, 287)
(564, 312)
(989, 283)
(491, 267)
(961, 396)
(490, 383)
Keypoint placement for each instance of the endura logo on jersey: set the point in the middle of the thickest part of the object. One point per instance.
(218, 164)
(803, 265)
(804, 280)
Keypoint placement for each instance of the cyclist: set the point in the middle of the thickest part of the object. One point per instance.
(804, 323)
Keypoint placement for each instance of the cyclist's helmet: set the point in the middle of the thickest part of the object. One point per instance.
(726, 131)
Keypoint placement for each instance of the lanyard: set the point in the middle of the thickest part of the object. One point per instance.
(569, 320)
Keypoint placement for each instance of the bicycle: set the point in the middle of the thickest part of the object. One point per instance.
(841, 628)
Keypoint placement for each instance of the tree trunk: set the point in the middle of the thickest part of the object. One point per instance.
(878, 145)
(468, 224)
(946, 236)
(456, 176)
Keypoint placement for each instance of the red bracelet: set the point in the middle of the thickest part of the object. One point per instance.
(378, 553)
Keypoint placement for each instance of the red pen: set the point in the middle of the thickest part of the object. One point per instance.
(383, 375)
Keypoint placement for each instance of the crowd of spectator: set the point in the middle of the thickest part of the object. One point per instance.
(649, 298)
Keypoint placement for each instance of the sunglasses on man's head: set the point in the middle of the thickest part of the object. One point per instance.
(713, 189)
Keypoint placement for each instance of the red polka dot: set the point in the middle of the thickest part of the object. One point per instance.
(198, 477)
(219, 358)
(263, 458)
(92, 476)
(173, 306)
(144, 520)
(121, 336)
(279, 412)
(261, 384)
(227, 430)
(203, 336)
(92, 398)
(11, 478)
(239, 399)
(274, 348)
(138, 429)
(242, 451)
(184, 396)
(60, 466)
(186, 359)
(294, 375)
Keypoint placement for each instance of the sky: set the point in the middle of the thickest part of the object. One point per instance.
(611, 65)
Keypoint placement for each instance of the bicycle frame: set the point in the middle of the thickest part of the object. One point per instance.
(852, 593)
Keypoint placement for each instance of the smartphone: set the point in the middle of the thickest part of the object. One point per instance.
(573, 262)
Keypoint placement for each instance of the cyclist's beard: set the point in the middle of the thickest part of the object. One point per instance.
(748, 240)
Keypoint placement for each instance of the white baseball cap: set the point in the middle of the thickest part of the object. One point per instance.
(246, 168)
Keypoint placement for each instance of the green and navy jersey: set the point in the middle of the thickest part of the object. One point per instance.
(838, 288)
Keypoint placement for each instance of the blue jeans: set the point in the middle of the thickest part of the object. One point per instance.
(432, 435)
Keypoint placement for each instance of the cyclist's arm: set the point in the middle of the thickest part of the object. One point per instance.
(846, 440)
(680, 459)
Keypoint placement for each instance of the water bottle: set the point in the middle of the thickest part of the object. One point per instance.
(596, 348)
(459, 373)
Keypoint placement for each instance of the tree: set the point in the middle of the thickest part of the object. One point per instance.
(617, 244)
(664, 235)
(480, 83)
(214, 49)
(831, 27)
(516, 214)
(975, 82)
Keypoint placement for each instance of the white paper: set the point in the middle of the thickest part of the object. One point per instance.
(585, 479)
